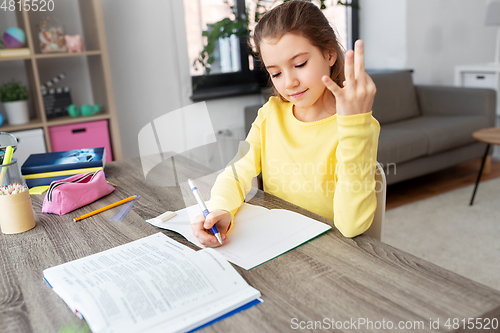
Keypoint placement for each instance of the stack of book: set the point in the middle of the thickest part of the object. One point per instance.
(21, 52)
(43, 169)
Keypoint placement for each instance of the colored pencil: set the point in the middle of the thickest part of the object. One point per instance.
(104, 208)
(6, 160)
(12, 189)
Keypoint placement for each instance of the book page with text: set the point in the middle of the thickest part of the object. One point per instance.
(153, 284)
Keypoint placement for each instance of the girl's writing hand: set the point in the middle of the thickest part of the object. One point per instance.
(201, 227)
(359, 90)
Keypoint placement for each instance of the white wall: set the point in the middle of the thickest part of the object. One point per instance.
(429, 36)
(144, 64)
(446, 33)
(150, 68)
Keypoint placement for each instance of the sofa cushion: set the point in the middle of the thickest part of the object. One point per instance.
(442, 132)
(400, 145)
(396, 97)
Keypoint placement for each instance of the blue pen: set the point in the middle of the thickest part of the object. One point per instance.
(203, 208)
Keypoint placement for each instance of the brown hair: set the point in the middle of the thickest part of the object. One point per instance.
(305, 19)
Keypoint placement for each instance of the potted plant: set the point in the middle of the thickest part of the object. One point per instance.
(14, 96)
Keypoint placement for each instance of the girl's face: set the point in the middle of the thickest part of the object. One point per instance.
(296, 67)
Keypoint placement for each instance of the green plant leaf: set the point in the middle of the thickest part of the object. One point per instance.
(210, 48)
(74, 328)
(13, 91)
(348, 4)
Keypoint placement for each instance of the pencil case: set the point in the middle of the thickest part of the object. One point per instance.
(66, 195)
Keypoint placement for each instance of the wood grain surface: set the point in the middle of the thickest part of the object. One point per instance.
(330, 277)
(488, 135)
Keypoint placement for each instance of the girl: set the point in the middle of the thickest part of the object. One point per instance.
(316, 142)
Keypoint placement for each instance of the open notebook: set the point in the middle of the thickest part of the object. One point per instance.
(153, 284)
(257, 235)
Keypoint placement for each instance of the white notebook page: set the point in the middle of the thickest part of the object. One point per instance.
(257, 235)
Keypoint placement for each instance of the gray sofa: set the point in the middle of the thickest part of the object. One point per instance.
(423, 128)
(427, 128)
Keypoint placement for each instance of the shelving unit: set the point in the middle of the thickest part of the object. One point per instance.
(88, 72)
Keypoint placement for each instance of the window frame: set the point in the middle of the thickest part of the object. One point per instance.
(352, 13)
(244, 82)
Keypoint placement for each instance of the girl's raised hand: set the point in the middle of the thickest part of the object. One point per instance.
(359, 90)
(201, 227)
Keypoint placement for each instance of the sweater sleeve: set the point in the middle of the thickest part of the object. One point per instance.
(232, 185)
(354, 200)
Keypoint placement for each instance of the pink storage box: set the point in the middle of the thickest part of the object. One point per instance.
(91, 134)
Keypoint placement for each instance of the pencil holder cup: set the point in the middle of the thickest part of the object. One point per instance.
(15, 202)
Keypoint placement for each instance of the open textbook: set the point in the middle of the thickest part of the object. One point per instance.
(257, 235)
(153, 284)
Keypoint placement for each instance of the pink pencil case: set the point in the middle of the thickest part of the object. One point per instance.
(66, 195)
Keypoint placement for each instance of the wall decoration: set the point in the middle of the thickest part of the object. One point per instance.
(51, 36)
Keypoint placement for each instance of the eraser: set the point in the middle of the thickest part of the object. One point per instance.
(166, 216)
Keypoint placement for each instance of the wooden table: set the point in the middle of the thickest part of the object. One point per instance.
(491, 136)
(328, 278)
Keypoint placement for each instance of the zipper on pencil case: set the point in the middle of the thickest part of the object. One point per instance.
(57, 183)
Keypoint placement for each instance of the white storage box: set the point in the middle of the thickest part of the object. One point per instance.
(29, 142)
(480, 80)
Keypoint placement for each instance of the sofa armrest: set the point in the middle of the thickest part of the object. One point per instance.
(452, 101)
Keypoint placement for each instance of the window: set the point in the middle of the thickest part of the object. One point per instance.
(198, 15)
(231, 72)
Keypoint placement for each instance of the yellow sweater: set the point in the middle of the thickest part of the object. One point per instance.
(327, 166)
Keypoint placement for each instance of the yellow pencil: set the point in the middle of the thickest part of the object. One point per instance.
(104, 208)
(6, 160)
(110, 183)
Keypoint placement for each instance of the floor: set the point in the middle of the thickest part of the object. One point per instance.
(439, 182)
